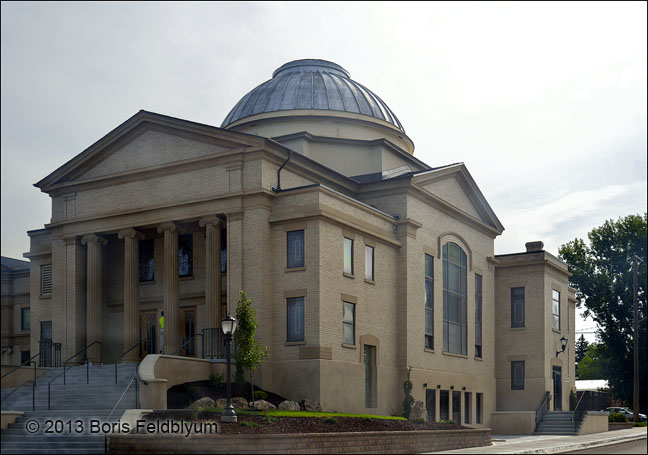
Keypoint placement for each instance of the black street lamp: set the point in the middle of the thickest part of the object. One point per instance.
(563, 344)
(229, 327)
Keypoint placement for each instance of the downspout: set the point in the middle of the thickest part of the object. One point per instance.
(278, 187)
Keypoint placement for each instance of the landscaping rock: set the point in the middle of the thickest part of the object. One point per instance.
(288, 405)
(221, 403)
(311, 406)
(262, 404)
(418, 411)
(239, 402)
(204, 402)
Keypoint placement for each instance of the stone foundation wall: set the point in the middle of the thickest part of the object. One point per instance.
(368, 442)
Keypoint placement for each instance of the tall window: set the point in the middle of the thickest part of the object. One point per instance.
(479, 401)
(223, 235)
(517, 307)
(429, 301)
(46, 279)
(295, 319)
(517, 375)
(185, 255)
(146, 260)
(295, 249)
(455, 304)
(369, 263)
(555, 309)
(478, 315)
(348, 323)
(348, 256)
(25, 322)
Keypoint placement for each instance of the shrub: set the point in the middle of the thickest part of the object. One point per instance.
(250, 424)
(639, 424)
(216, 380)
(260, 395)
(573, 400)
(617, 417)
(331, 420)
(419, 420)
(409, 399)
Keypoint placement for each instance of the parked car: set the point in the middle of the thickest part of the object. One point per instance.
(627, 412)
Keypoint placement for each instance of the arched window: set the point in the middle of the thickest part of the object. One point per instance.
(455, 303)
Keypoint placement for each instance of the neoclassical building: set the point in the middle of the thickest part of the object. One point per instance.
(362, 261)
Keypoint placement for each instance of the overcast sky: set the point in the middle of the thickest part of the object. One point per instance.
(545, 103)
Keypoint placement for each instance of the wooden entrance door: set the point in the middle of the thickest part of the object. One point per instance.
(188, 317)
(148, 333)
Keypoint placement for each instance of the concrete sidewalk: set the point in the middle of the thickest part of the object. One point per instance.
(554, 444)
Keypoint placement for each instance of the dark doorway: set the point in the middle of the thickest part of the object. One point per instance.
(148, 332)
(188, 327)
(557, 380)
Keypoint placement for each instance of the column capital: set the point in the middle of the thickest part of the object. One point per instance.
(210, 220)
(93, 238)
(169, 226)
(130, 232)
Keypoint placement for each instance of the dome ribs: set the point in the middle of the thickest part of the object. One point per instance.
(312, 84)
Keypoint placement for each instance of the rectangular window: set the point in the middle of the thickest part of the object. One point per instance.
(517, 375)
(370, 374)
(444, 405)
(517, 307)
(295, 319)
(467, 407)
(295, 249)
(146, 260)
(348, 323)
(478, 315)
(185, 255)
(429, 301)
(348, 256)
(223, 236)
(456, 407)
(430, 404)
(24, 319)
(479, 402)
(46, 279)
(555, 305)
(369, 263)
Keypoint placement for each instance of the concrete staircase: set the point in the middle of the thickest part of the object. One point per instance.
(75, 407)
(558, 423)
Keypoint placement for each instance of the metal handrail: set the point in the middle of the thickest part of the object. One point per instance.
(49, 384)
(27, 382)
(121, 356)
(542, 407)
(177, 351)
(134, 378)
(579, 412)
(26, 362)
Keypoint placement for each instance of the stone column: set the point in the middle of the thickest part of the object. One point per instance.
(235, 282)
(131, 291)
(94, 316)
(171, 288)
(212, 271)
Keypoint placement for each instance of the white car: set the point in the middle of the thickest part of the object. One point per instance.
(628, 413)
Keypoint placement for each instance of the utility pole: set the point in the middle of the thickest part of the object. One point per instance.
(635, 334)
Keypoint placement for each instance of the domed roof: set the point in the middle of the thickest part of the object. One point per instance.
(311, 84)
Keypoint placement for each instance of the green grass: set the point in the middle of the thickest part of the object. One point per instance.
(282, 413)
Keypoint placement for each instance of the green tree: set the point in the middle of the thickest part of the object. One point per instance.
(581, 350)
(592, 365)
(249, 351)
(409, 399)
(603, 276)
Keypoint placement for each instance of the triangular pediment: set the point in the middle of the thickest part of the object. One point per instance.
(456, 187)
(147, 141)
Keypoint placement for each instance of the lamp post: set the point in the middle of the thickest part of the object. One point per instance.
(563, 345)
(229, 327)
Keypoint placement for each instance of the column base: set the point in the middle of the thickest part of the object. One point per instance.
(229, 419)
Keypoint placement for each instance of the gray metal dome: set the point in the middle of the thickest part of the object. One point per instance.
(311, 84)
